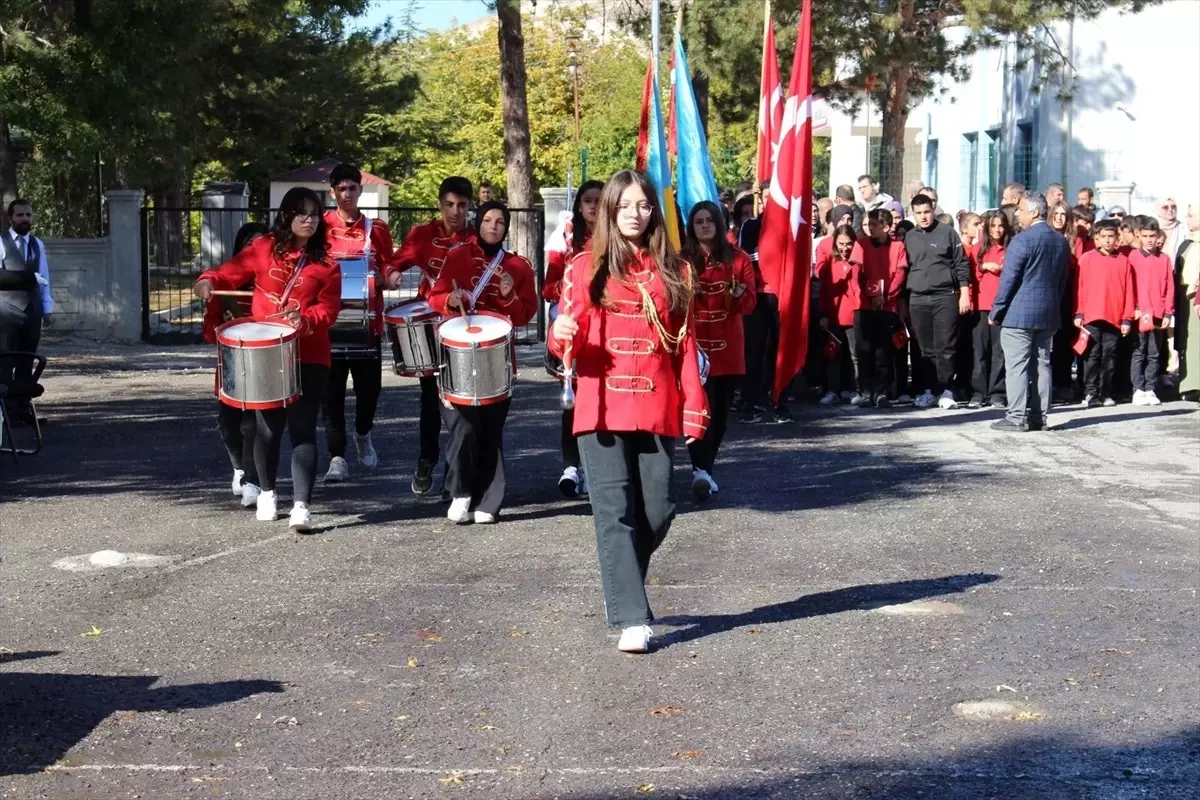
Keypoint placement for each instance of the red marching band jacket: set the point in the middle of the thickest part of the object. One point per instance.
(556, 265)
(349, 240)
(628, 380)
(426, 248)
(718, 314)
(316, 293)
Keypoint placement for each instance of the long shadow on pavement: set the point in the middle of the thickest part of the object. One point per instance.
(44, 715)
(851, 598)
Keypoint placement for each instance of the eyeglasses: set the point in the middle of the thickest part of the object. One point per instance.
(638, 210)
(313, 217)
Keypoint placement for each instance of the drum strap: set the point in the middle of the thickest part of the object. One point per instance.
(291, 284)
(366, 235)
(491, 270)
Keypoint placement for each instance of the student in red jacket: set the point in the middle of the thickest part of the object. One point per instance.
(298, 282)
(1104, 306)
(481, 276)
(987, 262)
(626, 322)
(353, 234)
(236, 426)
(724, 280)
(580, 230)
(840, 279)
(884, 269)
(426, 248)
(1154, 310)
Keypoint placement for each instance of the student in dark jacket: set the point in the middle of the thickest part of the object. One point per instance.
(939, 286)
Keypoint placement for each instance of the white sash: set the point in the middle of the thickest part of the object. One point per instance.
(491, 270)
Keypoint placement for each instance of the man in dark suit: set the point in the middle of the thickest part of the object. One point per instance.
(1028, 305)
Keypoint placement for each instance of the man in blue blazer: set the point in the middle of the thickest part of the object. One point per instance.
(1028, 306)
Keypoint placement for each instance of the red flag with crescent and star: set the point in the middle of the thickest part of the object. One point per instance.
(770, 103)
(785, 244)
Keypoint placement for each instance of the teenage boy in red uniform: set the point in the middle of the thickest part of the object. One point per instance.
(1104, 306)
(1154, 284)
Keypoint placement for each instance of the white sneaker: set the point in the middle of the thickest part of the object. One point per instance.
(366, 451)
(635, 639)
(1151, 398)
(568, 484)
(338, 470)
(829, 399)
(1139, 398)
(701, 484)
(947, 400)
(238, 474)
(250, 494)
(484, 518)
(712, 484)
(925, 400)
(460, 510)
(301, 519)
(583, 484)
(266, 507)
(858, 399)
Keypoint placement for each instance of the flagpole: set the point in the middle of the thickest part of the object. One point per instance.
(757, 191)
(655, 12)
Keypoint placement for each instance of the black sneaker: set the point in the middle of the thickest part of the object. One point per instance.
(752, 417)
(782, 414)
(882, 401)
(422, 480)
(976, 401)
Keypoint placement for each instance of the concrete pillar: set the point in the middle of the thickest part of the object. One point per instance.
(125, 232)
(556, 201)
(224, 212)
(1115, 193)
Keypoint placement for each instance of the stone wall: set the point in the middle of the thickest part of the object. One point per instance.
(80, 282)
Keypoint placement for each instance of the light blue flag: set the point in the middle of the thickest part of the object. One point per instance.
(658, 168)
(693, 171)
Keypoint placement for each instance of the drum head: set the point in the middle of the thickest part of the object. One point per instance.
(410, 312)
(252, 331)
(475, 329)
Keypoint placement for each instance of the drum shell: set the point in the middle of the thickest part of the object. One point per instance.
(352, 335)
(415, 350)
(476, 374)
(256, 375)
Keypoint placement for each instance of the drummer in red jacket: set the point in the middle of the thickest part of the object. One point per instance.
(626, 325)
(578, 238)
(481, 276)
(426, 248)
(297, 282)
(724, 295)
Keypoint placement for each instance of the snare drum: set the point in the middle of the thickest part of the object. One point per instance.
(412, 330)
(258, 364)
(353, 335)
(477, 359)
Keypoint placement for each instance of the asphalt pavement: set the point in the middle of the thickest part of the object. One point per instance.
(878, 604)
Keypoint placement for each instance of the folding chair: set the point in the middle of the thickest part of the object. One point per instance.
(22, 391)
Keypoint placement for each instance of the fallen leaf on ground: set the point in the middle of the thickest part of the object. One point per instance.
(412, 662)
(1027, 716)
(688, 755)
(1070, 681)
(756, 631)
(455, 777)
(1114, 650)
(645, 788)
(429, 636)
(515, 768)
(486, 728)
(93, 633)
(665, 711)
(515, 633)
(1004, 687)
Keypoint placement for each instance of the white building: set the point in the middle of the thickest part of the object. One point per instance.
(1132, 130)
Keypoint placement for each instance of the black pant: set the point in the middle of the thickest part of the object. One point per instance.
(431, 419)
(475, 454)
(1148, 348)
(1062, 355)
(300, 419)
(368, 383)
(987, 374)
(20, 333)
(719, 389)
(633, 503)
(935, 321)
(762, 343)
(842, 372)
(1101, 359)
(873, 332)
(238, 431)
(570, 443)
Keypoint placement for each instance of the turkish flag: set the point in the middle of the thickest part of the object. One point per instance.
(770, 104)
(785, 244)
(643, 143)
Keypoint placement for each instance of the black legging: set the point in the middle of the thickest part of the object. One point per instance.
(300, 419)
(719, 389)
(368, 383)
(238, 430)
(570, 444)
(431, 419)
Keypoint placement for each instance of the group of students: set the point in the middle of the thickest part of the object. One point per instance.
(893, 291)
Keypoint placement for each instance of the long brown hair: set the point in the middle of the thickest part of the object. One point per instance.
(1069, 232)
(721, 250)
(613, 254)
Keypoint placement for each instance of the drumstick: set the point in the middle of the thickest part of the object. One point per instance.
(567, 400)
(231, 293)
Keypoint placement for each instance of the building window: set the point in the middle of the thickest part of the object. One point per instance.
(1023, 156)
(969, 168)
(931, 163)
(991, 191)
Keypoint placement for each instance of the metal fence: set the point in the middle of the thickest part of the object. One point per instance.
(180, 243)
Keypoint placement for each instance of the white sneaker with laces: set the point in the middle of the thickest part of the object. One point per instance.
(460, 510)
(301, 519)
(947, 400)
(858, 399)
(484, 518)
(568, 484)
(265, 507)
(250, 494)
(1151, 398)
(829, 399)
(925, 400)
(635, 639)
(238, 474)
(338, 470)
(1139, 398)
(701, 484)
(366, 451)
